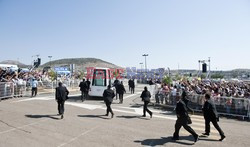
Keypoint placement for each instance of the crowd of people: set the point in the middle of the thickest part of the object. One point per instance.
(231, 97)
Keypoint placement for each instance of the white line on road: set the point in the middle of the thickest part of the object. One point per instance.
(75, 138)
(129, 96)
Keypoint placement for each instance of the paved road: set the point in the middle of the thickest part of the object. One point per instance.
(32, 122)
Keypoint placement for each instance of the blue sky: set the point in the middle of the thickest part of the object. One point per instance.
(172, 32)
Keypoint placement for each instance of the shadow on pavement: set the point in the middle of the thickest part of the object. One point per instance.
(132, 117)
(205, 138)
(78, 99)
(164, 140)
(43, 116)
(95, 116)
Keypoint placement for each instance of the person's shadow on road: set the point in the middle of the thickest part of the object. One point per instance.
(95, 116)
(43, 116)
(132, 117)
(165, 140)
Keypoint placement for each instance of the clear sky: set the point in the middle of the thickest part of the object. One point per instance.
(172, 32)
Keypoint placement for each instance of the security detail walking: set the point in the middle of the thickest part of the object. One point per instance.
(146, 99)
(108, 96)
(183, 120)
(61, 96)
(211, 115)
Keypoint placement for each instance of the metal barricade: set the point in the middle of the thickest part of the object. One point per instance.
(6, 90)
(228, 106)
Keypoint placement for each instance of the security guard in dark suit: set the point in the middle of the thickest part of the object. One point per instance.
(183, 120)
(146, 98)
(211, 115)
(108, 96)
(61, 96)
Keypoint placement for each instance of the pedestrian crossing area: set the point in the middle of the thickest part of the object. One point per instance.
(198, 125)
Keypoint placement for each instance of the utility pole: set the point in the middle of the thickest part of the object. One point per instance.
(145, 55)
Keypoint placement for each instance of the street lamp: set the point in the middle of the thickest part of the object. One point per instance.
(141, 66)
(50, 60)
(145, 55)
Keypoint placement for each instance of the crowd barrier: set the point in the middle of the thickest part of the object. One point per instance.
(9, 90)
(228, 106)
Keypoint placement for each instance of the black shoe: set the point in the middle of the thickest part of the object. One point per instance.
(206, 134)
(62, 116)
(196, 138)
(143, 116)
(222, 138)
(106, 115)
(112, 115)
(175, 138)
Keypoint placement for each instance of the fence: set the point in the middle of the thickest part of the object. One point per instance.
(225, 105)
(10, 90)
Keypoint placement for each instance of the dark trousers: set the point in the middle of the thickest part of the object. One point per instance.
(182, 123)
(60, 107)
(121, 97)
(215, 123)
(132, 90)
(145, 108)
(34, 91)
(84, 95)
(108, 104)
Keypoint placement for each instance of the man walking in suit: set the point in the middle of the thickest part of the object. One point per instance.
(183, 120)
(211, 115)
(61, 96)
(146, 98)
(108, 96)
(121, 90)
(84, 89)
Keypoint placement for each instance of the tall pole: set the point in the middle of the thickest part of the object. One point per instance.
(209, 67)
(141, 66)
(50, 60)
(145, 55)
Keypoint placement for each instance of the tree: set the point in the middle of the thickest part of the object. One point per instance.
(217, 76)
(52, 75)
(167, 80)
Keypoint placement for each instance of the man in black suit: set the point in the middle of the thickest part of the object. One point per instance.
(146, 98)
(132, 86)
(211, 115)
(84, 89)
(121, 90)
(61, 96)
(108, 96)
(183, 120)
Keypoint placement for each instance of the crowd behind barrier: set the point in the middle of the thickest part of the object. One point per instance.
(232, 98)
(228, 106)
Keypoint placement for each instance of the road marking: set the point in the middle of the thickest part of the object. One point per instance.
(21, 127)
(86, 106)
(47, 98)
(75, 138)
(129, 96)
(35, 98)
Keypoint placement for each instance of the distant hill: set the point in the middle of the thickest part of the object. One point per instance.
(81, 63)
(19, 64)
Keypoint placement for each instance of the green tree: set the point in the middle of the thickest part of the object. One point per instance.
(167, 80)
(52, 75)
(217, 76)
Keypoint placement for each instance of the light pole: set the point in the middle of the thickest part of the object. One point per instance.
(141, 66)
(50, 60)
(145, 55)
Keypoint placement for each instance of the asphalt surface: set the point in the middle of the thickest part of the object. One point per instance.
(33, 122)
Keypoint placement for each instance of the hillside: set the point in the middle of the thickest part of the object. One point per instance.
(80, 63)
(19, 64)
